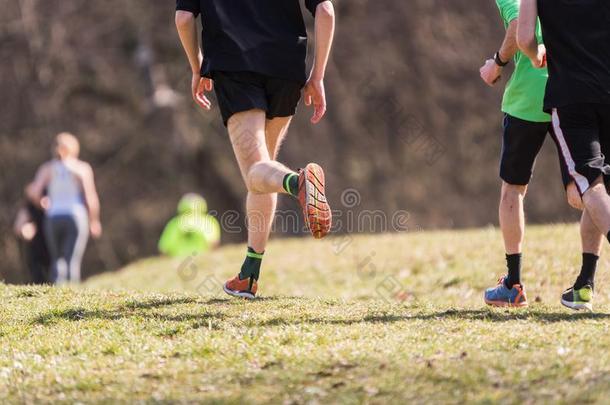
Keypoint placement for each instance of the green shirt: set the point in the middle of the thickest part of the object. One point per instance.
(525, 90)
(189, 234)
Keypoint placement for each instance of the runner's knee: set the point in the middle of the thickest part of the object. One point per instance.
(510, 191)
(256, 174)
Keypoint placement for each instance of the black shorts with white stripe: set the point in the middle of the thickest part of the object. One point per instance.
(583, 134)
(521, 143)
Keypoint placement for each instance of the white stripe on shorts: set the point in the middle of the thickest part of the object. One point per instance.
(581, 181)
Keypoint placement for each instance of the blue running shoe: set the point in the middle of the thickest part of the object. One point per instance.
(502, 296)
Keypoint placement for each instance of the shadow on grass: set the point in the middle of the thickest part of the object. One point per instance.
(466, 315)
(131, 309)
(145, 309)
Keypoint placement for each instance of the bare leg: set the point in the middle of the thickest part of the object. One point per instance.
(512, 218)
(591, 237)
(597, 204)
(261, 207)
(263, 176)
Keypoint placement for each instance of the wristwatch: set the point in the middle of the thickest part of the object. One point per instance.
(499, 61)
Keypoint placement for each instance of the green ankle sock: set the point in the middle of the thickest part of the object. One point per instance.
(252, 265)
(291, 184)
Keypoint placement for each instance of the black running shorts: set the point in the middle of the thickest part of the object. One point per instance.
(583, 133)
(521, 144)
(243, 91)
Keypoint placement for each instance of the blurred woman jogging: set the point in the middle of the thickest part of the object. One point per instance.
(72, 207)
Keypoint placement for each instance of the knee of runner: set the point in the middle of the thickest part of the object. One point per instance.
(513, 190)
(256, 174)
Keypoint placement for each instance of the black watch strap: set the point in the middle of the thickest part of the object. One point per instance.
(499, 61)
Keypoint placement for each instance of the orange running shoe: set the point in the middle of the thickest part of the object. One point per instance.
(316, 210)
(241, 288)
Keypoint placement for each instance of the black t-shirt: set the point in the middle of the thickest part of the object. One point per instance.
(577, 37)
(261, 36)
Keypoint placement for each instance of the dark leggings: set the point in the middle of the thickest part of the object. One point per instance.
(67, 237)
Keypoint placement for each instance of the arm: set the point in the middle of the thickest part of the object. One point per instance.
(92, 200)
(526, 32)
(491, 72)
(35, 190)
(23, 227)
(509, 46)
(186, 24)
(325, 29)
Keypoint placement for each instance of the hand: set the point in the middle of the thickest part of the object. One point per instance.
(45, 203)
(28, 231)
(574, 198)
(95, 228)
(316, 95)
(199, 85)
(540, 61)
(491, 72)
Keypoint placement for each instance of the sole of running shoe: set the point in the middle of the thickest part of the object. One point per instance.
(588, 307)
(504, 304)
(312, 197)
(239, 294)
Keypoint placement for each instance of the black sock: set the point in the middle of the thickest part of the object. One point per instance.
(513, 262)
(587, 271)
(291, 184)
(608, 236)
(252, 265)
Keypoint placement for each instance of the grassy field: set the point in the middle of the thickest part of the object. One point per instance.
(369, 319)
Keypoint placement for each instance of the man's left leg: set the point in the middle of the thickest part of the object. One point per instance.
(252, 136)
(264, 179)
(580, 295)
(521, 143)
(261, 207)
(591, 237)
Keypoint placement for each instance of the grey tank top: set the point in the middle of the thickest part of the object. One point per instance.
(64, 191)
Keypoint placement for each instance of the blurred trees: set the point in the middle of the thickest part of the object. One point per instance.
(410, 126)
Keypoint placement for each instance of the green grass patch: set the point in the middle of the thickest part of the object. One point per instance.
(379, 319)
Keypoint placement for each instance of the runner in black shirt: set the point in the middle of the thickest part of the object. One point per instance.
(577, 38)
(254, 54)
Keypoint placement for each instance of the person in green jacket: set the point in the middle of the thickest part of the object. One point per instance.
(192, 231)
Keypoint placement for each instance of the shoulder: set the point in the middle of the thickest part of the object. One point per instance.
(46, 168)
(84, 168)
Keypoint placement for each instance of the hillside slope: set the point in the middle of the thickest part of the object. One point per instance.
(458, 264)
(410, 125)
(327, 329)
